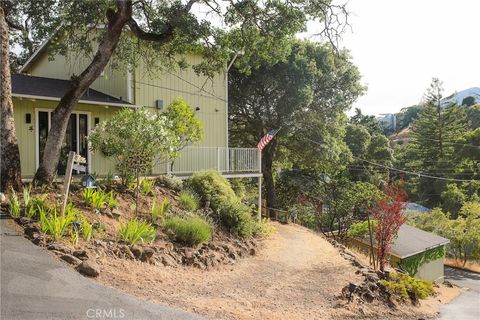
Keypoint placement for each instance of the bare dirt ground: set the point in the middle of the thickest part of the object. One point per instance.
(296, 275)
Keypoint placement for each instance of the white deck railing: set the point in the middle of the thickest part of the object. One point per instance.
(222, 159)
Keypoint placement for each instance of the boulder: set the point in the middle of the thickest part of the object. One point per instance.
(137, 251)
(89, 268)
(56, 246)
(71, 259)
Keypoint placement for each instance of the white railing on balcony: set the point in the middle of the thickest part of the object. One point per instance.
(222, 159)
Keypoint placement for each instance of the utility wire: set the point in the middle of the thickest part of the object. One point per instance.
(418, 174)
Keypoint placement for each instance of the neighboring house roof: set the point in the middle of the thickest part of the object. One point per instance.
(411, 241)
(54, 89)
(412, 206)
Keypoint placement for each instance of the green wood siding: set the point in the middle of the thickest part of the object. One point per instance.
(112, 81)
(27, 138)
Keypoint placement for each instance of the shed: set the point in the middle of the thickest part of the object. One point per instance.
(418, 252)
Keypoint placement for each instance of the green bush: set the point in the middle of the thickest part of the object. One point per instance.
(112, 201)
(55, 225)
(360, 229)
(14, 204)
(134, 231)
(94, 198)
(146, 186)
(404, 285)
(189, 201)
(263, 228)
(159, 211)
(189, 231)
(213, 188)
(305, 215)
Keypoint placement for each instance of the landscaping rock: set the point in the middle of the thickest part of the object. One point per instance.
(80, 254)
(137, 251)
(59, 247)
(23, 220)
(167, 260)
(147, 254)
(3, 198)
(116, 213)
(89, 268)
(126, 250)
(31, 229)
(71, 259)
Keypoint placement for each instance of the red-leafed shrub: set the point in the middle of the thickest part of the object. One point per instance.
(389, 214)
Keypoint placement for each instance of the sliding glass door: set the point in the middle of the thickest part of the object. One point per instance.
(75, 137)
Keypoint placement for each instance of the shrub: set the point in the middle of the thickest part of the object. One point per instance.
(406, 286)
(112, 201)
(170, 182)
(189, 201)
(189, 231)
(159, 211)
(360, 229)
(212, 187)
(304, 215)
(237, 219)
(134, 231)
(14, 204)
(86, 229)
(263, 228)
(55, 225)
(147, 186)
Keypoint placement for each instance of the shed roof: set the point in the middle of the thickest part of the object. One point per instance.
(25, 85)
(411, 241)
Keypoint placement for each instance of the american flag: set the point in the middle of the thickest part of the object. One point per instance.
(267, 138)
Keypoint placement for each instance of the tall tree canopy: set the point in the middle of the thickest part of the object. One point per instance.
(310, 89)
(160, 33)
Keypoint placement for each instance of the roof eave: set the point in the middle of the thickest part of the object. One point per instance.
(113, 104)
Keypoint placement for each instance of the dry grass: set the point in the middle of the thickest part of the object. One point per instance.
(470, 266)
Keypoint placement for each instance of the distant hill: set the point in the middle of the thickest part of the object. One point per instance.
(459, 96)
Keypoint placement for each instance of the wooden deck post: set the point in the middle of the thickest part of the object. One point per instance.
(259, 198)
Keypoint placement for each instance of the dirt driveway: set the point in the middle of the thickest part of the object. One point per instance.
(297, 275)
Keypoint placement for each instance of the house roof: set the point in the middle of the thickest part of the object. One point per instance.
(411, 241)
(54, 89)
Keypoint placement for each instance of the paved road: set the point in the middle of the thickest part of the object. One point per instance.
(467, 305)
(36, 286)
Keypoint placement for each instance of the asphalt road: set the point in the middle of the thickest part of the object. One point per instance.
(467, 305)
(34, 285)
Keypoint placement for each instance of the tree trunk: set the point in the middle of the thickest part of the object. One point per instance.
(10, 174)
(267, 163)
(61, 114)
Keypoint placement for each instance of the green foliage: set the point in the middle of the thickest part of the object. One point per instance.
(170, 182)
(184, 127)
(96, 198)
(189, 231)
(370, 123)
(463, 232)
(360, 229)
(133, 138)
(189, 201)
(305, 215)
(86, 229)
(147, 186)
(54, 225)
(112, 201)
(413, 263)
(35, 205)
(134, 231)
(213, 188)
(27, 190)
(452, 199)
(403, 285)
(14, 204)
(263, 228)
(159, 211)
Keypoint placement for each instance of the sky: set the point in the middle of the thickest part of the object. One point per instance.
(400, 45)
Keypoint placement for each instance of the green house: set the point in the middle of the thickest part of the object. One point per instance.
(44, 79)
